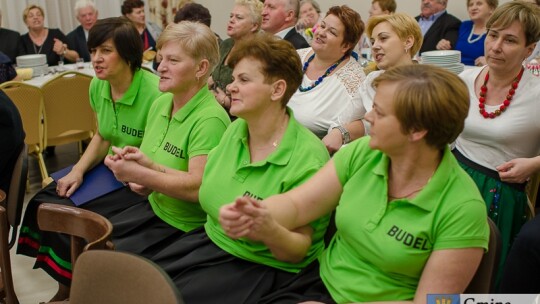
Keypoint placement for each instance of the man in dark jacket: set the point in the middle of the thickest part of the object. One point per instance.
(439, 28)
(279, 18)
(87, 14)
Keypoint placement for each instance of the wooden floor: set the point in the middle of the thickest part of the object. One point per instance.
(34, 285)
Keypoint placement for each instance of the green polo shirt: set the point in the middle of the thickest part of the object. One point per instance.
(194, 130)
(230, 173)
(122, 122)
(380, 248)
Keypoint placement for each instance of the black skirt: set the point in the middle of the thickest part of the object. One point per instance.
(204, 273)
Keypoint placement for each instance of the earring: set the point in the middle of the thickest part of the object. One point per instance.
(406, 51)
(197, 78)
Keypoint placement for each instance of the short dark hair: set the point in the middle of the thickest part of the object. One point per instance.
(128, 6)
(352, 23)
(193, 12)
(124, 35)
(278, 58)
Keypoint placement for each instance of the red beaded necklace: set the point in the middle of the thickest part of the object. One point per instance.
(506, 102)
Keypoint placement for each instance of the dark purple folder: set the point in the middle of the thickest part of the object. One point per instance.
(97, 182)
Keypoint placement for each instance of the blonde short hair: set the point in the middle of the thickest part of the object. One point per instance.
(255, 8)
(404, 26)
(195, 38)
(429, 98)
(31, 7)
(527, 14)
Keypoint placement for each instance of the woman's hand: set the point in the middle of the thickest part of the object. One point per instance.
(123, 169)
(59, 47)
(134, 154)
(222, 97)
(139, 189)
(333, 141)
(233, 221)
(518, 170)
(480, 61)
(444, 45)
(68, 184)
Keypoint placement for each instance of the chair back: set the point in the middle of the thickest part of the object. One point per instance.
(483, 281)
(29, 102)
(67, 104)
(7, 290)
(118, 277)
(88, 230)
(15, 196)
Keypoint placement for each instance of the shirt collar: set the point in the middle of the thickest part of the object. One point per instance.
(181, 115)
(130, 95)
(432, 17)
(281, 34)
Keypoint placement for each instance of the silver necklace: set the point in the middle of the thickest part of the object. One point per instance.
(37, 51)
(470, 38)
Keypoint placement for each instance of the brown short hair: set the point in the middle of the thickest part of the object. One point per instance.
(352, 22)
(527, 14)
(429, 98)
(193, 12)
(128, 6)
(124, 35)
(387, 5)
(278, 58)
(491, 3)
(196, 39)
(30, 7)
(404, 26)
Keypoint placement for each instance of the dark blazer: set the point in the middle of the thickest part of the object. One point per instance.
(296, 39)
(76, 40)
(9, 44)
(12, 134)
(445, 27)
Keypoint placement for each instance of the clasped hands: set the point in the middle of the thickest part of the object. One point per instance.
(247, 217)
(126, 163)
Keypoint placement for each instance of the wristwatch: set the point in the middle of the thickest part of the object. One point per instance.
(346, 137)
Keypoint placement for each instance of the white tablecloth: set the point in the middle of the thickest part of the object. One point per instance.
(55, 70)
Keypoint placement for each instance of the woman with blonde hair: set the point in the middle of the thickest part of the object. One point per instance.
(396, 38)
(244, 22)
(499, 146)
(410, 222)
(42, 40)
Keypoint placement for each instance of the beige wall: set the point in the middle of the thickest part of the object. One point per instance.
(220, 9)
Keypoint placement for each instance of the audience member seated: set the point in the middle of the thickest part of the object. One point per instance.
(309, 17)
(472, 33)
(10, 41)
(42, 40)
(12, 134)
(182, 129)
(87, 14)
(244, 23)
(396, 38)
(329, 88)
(523, 263)
(378, 8)
(420, 226)
(536, 53)
(496, 147)
(121, 95)
(439, 29)
(264, 152)
(279, 18)
(149, 31)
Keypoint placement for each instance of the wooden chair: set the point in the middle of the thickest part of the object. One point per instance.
(483, 281)
(532, 194)
(10, 218)
(67, 105)
(29, 102)
(88, 230)
(118, 277)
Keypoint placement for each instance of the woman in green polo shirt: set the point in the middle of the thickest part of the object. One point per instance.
(121, 95)
(410, 221)
(266, 151)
